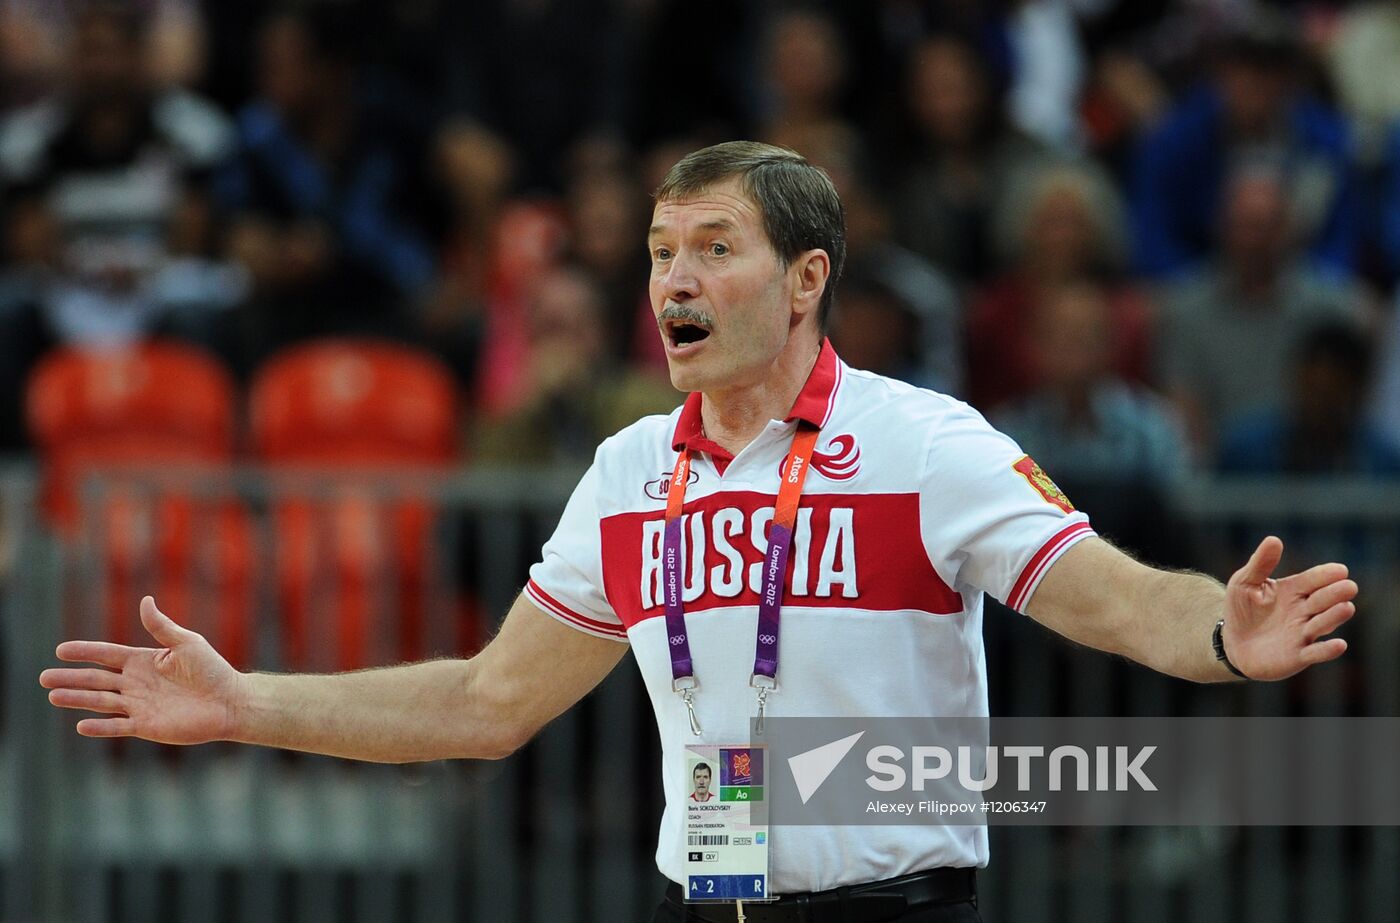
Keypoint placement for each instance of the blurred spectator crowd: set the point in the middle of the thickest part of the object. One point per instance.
(1141, 237)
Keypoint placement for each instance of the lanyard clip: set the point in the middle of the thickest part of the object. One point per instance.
(764, 684)
(686, 685)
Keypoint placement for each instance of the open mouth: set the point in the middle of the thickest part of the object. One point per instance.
(683, 333)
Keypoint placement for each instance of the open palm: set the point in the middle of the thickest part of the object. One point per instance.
(1276, 627)
(181, 693)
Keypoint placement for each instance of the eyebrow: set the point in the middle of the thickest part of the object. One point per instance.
(720, 224)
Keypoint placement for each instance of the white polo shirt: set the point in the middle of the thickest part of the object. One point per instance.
(914, 507)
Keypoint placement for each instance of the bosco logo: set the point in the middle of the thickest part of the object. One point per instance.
(659, 488)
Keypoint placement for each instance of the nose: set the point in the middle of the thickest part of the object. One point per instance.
(680, 283)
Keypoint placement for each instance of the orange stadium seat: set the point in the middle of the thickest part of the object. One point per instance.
(349, 560)
(152, 404)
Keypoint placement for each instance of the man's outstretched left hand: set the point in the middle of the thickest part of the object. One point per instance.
(1275, 628)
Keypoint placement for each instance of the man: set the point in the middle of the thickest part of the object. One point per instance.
(113, 171)
(700, 775)
(916, 508)
(1323, 429)
(1230, 330)
(1115, 447)
(323, 200)
(1252, 107)
(103, 205)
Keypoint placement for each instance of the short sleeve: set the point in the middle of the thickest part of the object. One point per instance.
(992, 520)
(567, 582)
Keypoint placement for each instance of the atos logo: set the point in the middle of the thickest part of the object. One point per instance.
(840, 463)
(659, 488)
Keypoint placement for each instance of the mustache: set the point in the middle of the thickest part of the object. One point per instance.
(685, 315)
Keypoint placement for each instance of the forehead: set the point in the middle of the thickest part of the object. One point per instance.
(724, 203)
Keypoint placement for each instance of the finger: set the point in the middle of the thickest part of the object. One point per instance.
(1315, 578)
(81, 679)
(106, 727)
(108, 702)
(160, 625)
(1329, 620)
(1323, 651)
(1331, 594)
(1262, 563)
(109, 655)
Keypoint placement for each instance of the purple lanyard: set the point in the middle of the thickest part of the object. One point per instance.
(770, 600)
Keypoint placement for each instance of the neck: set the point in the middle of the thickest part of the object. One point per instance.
(734, 417)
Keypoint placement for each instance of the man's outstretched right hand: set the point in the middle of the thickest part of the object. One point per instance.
(482, 708)
(181, 693)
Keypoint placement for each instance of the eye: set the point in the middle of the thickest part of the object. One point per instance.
(719, 249)
(661, 254)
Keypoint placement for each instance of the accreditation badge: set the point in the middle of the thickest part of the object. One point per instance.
(726, 823)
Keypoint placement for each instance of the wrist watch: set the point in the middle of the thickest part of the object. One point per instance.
(1218, 642)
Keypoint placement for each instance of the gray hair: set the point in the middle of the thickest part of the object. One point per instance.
(1087, 182)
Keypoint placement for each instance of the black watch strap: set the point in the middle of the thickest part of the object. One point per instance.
(1217, 641)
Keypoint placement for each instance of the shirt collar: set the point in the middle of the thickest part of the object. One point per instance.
(813, 404)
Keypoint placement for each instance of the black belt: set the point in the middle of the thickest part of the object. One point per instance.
(863, 903)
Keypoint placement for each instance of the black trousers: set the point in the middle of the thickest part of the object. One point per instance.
(668, 912)
(938, 896)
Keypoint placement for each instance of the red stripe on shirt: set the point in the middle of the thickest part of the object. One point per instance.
(1041, 560)
(538, 594)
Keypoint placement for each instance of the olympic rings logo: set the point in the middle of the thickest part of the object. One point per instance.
(677, 640)
(767, 639)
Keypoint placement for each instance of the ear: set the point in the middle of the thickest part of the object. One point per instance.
(810, 272)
